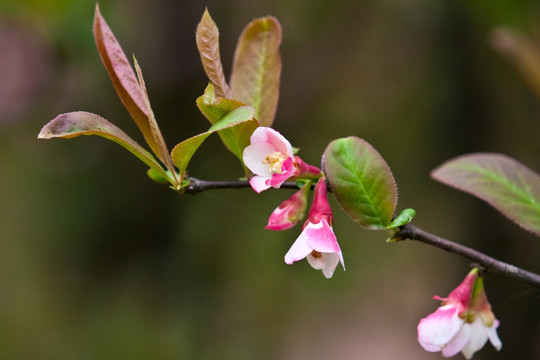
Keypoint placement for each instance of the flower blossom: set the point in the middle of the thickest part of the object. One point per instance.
(291, 211)
(464, 322)
(270, 157)
(317, 241)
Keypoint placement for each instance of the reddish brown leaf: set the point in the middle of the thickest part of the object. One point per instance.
(122, 76)
(207, 38)
(156, 132)
(78, 123)
(257, 68)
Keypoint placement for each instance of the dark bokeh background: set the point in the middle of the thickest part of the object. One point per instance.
(98, 262)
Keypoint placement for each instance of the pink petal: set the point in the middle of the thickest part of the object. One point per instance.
(279, 219)
(298, 250)
(437, 329)
(321, 238)
(270, 136)
(279, 142)
(462, 294)
(288, 170)
(258, 183)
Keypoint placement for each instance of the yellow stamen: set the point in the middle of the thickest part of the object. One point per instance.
(275, 162)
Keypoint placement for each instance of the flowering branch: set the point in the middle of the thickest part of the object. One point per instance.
(407, 231)
(488, 263)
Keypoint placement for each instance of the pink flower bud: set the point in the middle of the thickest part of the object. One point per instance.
(291, 211)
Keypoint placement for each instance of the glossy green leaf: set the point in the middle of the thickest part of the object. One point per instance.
(228, 121)
(403, 218)
(207, 38)
(361, 182)
(215, 108)
(123, 78)
(257, 68)
(73, 124)
(504, 183)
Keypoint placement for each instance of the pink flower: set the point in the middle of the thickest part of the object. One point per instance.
(464, 322)
(270, 157)
(317, 241)
(291, 211)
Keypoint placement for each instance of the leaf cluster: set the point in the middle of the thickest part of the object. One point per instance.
(234, 112)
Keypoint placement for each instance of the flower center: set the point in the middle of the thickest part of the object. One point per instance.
(274, 162)
(316, 254)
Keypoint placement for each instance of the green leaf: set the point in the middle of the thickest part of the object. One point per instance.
(207, 38)
(403, 218)
(184, 151)
(123, 78)
(73, 124)
(237, 117)
(361, 182)
(257, 68)
(504, 183)
(216, 108)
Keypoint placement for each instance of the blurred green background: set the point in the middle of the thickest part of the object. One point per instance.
(98, 262)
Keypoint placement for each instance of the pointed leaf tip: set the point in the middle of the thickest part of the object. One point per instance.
(123, 78)
(73, 124)
(361, 182)
(207, 39)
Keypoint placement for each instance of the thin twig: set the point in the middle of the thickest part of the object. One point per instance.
(407, 231)
(197, 185)
(489, 264)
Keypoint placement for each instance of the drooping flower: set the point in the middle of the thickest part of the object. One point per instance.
(270, 157)
(464, 322)
(317, 242)
(291, 211)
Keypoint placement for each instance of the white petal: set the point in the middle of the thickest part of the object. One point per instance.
(437, 329)
(493, 337)
(258, 183)
(478, 338)
(316, 262)
(327, 262)
(458, 342)
(298, 250)
(254, 155)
